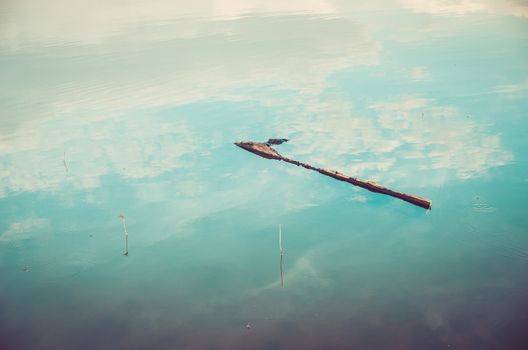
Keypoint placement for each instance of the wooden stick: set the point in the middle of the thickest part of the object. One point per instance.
(265, 151)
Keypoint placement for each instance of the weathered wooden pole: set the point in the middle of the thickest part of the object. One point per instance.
(264, 150)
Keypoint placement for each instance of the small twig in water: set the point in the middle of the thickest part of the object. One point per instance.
(64, 161)
(281, 254)
(122, 217)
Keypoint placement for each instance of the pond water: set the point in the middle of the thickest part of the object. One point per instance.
(131, 108)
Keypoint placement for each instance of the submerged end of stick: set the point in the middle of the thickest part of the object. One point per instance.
(260, 149)
(421, 202)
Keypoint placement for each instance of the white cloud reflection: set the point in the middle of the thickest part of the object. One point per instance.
(420, 74)
(303, 272)
(23, 229)
(412, 139)
(30, 22)
(132, 148)
(512, 91)
(93, 65)
(466, 7)
(85, 79)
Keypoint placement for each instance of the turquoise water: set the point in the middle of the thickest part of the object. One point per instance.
(123, 107)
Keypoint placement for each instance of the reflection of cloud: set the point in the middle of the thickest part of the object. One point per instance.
(512, 91)
(93, 149)
(22, 230)
(411, 138)
(359, 198)
(464, 7)
(158, 59)
(93, 22)
(162, 64)
(263, 191)
(420, 74)
(458, 7)
(453, 141)
(220, 58)
(167, 55)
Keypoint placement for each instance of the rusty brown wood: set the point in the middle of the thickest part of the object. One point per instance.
(265, 151)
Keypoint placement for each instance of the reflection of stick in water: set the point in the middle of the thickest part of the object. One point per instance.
(122, 217)
(64, 161)
(281, 253)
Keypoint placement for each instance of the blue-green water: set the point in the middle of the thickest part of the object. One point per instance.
(128, 107)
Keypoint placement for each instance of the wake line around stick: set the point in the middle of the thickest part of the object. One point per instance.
(266, 151)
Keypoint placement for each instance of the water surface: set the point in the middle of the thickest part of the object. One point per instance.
(129, 107)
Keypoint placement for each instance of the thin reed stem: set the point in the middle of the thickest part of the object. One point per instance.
(64, 161)
(122, 217)
(281, 253)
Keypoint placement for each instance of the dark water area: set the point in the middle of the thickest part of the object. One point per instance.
(117, 122)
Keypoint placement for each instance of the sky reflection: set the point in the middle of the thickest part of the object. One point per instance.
(127, 107)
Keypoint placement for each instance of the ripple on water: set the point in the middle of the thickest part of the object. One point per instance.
(481, 205)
